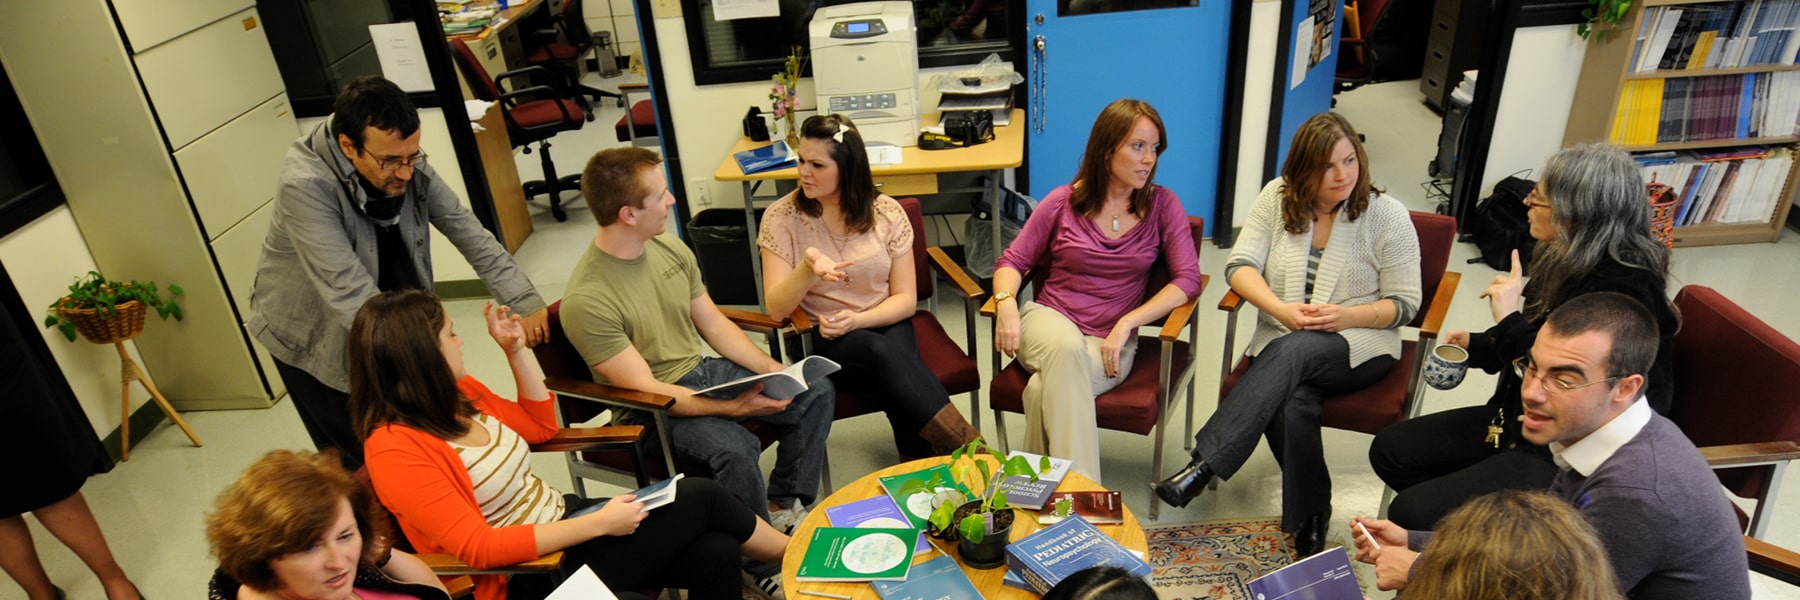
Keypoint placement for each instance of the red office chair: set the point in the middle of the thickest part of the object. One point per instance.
(1735, 396)
(1140, 404)
(534, 114)
(563, 56)
(641, 129)
(1394, 397)
(1356, 63)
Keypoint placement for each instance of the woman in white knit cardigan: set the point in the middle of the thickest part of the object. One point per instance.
(1332, 266)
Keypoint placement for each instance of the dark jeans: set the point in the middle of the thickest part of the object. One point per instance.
(325, 412)
(1288, 379)
(883, 362)
(1439, 461)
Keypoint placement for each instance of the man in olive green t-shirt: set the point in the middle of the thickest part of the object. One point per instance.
(637, 311)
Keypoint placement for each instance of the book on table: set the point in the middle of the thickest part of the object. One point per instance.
(1022, 492)
(1053, 553)
(916, 493)
(1098, 507)
(1323, 576)
(764, 158)
(857, 554)
(780, 385)
(936, 579)
(654, 496)
(583, 584)
(875, 511)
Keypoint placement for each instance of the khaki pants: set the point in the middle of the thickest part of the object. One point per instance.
(1066, 376)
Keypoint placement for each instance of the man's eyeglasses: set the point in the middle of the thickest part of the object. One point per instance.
(393, 163)
(1526, 370)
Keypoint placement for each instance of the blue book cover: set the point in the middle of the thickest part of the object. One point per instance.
(878, 511)
(772, 156)
(935, 579)
(1012, 579)
(1053, 553)
(1323, 576)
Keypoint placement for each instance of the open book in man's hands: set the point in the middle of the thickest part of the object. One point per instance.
(779, 385)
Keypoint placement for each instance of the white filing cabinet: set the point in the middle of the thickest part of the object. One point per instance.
(166, 124)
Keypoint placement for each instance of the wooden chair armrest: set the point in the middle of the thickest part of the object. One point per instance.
(1773, 561)
(1178, 318)
(1231, 302)
(1735, 455)
(800, 321)
(965, 285)
(987, 308)
(1440, 304)
(606, 394)
(634, 86)
(762, 323)
(576, 439)
(449, 564)
(460, 586)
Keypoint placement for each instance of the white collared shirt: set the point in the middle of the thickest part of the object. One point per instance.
(1586, 455)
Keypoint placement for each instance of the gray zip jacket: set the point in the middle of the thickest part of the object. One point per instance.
(319, 260)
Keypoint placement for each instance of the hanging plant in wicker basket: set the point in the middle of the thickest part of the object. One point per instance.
(106, 311)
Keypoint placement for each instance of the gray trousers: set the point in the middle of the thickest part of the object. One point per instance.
(1279, 398)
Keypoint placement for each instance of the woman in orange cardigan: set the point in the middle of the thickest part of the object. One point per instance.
(432, 431)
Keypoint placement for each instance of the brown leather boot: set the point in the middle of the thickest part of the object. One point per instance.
(948, 430)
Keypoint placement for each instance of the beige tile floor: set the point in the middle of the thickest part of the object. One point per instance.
(152, 508)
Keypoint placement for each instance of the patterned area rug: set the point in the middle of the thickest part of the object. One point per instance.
(1215, 559)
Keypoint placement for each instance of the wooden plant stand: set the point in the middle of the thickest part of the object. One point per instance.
(131, 372)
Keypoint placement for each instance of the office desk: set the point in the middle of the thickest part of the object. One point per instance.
(915, 175)
(499, 48)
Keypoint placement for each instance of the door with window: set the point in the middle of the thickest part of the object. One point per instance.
(1083, 54)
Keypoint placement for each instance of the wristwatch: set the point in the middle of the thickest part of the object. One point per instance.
(1003, 296)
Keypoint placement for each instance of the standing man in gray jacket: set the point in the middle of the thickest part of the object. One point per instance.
(352, 219)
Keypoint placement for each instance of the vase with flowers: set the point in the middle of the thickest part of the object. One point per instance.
(784, 93)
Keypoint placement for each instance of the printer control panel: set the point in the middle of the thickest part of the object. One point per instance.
(862, 102)
(865, 28)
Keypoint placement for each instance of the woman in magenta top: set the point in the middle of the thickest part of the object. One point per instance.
(1098, 236)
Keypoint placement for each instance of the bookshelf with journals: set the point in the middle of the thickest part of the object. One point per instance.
(1706, 96)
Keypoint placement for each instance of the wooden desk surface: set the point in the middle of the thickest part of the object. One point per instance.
(515, 10)
(1006, 151)
(1129, 533)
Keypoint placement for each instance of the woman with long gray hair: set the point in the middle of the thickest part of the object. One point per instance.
(1591, 219)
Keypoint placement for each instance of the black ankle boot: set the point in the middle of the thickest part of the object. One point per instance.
(1182, 487)
(1310, 538)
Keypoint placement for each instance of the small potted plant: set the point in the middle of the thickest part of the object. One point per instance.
(107, 311)
(974, 513)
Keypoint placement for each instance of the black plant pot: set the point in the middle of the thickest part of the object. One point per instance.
(990, 552)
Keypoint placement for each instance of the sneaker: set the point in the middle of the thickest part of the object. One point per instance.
(789, 517)
(767, 587)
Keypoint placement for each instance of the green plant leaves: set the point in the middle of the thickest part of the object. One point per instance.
(93, 291)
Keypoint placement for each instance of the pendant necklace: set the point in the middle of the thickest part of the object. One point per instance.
(1115, 222)
(834, 242)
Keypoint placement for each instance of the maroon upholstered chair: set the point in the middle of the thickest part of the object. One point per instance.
(954, 365)
(534, 114)
(640, 122)
(1396, 396)
(1355, 43)
(1140, 404)
(562, 49)
(580, 400)
(1735, 396)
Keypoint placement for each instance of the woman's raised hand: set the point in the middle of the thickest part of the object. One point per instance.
(507, 329)
(1503, 294)
(825, 267)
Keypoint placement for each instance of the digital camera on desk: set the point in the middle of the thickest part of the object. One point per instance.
(866, 66)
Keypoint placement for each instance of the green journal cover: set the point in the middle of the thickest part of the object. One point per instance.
(857, 554)
(917, 503)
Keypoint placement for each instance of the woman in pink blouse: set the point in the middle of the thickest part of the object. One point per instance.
(842, 251)
(1098, 237)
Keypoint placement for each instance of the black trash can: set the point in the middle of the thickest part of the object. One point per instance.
(722, 245)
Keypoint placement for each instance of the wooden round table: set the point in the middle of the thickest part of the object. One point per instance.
(1129, 533)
